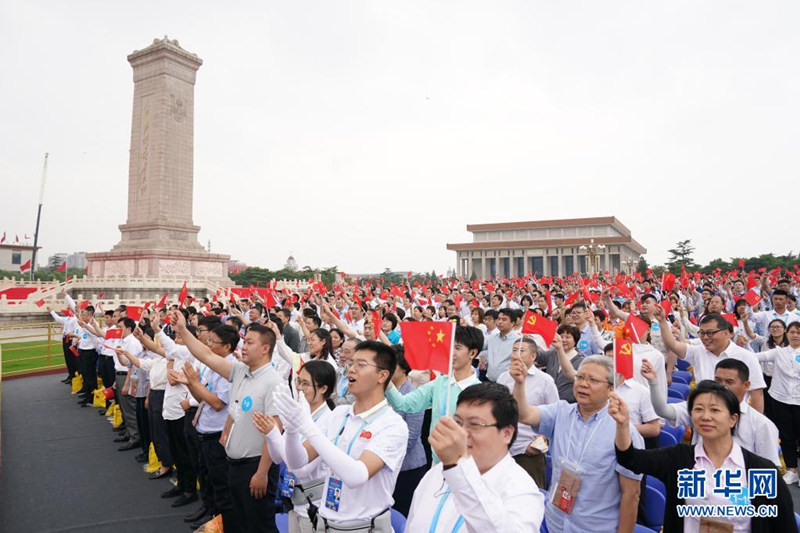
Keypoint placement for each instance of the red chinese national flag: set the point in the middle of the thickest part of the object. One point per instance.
(25, 266)
(40, 303)
(115, 333)
(134, 312)
(667, 282)
(62, 268)
(623, 357)
(183, 294)
(535, 323)
(428, 344)
(571, 299)
(636, 328)
(163, 301)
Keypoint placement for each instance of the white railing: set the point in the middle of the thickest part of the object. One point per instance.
(90, 288)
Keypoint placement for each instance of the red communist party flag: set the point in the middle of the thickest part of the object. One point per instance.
(134, 312)
(428, 344)
(636, 327)
(182, 296)
(114, 333)
(752, 298)
(535, 323)
(667, 282)
(623, 357)
(62, 268)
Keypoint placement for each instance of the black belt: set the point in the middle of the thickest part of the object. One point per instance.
(209, 436)
(120, 373)
(244, 461)
(191, 410)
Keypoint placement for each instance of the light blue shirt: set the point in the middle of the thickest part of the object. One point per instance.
(211, 420)
(586, 345)
(498, 360)
(589, 444)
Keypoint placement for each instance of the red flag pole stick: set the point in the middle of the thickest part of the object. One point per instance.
(450, 370)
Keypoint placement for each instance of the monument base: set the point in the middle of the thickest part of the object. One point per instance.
(159, 264)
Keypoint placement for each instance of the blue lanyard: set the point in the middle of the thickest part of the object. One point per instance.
(435, 522)
(358, 433)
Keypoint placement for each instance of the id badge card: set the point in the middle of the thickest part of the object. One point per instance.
(567, 487)
(712, 526)
(334, 495)
(287, 483)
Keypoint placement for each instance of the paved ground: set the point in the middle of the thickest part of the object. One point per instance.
(61, 471)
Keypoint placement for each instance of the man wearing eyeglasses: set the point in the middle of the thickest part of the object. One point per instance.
(362, 445)
(589, 491)
(477, 486)
(715, 336)
(252, 476)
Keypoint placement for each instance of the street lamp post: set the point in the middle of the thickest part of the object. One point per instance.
(593, 251)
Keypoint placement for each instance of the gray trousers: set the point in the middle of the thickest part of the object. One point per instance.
(127, 405)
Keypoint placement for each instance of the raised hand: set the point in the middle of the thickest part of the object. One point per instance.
(617, 409)
(647, 370)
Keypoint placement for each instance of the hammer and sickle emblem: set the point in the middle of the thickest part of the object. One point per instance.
(625, 349)
(532, 320)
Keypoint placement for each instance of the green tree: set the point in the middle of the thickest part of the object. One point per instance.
(680, 256)
(642, 266)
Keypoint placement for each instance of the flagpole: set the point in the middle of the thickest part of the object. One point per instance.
(38, 217)
(614, 362)
(450, 370)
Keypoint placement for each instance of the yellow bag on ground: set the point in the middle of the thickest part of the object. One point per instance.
(110, 410)
(117, 421)
(212, 526)
(153, 464)
(77, 384)
(100, 384)
(99, 399)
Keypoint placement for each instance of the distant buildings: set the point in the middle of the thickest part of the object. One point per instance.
(75, 260)
(291, 264)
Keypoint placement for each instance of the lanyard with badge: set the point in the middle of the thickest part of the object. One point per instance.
(287, 481)
(334, 493)
(436, 515)
(569, 482)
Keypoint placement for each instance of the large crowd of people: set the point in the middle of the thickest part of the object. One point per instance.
(305, 402)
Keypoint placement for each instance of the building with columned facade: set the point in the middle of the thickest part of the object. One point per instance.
(547, 248)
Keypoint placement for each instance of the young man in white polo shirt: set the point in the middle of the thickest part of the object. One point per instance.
(715, 334)
(362, 445)
(477, 486)
(252, 476)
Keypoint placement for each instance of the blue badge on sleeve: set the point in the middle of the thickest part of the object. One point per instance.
(334, 493)
(247, 403)
(655, 326)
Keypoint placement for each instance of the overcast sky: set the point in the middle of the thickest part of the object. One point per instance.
(369, 134)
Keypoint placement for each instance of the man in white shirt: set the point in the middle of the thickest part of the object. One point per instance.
(67, 325)
(754, 431)
(715, 334)
(477, 486)
(362, 445)
(779, 310)
(529, 448)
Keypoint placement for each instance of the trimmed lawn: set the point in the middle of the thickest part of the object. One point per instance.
(26, 356)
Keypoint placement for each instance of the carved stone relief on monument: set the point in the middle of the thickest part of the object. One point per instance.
(123, 267)
(207, 269)
(177, 110)
(170, 267)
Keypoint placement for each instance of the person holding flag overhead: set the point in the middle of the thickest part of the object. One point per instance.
(362, 445)
(428, 346)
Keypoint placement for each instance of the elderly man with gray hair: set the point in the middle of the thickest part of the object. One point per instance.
(589, 491)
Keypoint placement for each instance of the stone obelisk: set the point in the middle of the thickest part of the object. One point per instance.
(159, 238)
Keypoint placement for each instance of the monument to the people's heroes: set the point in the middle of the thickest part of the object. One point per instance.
(159, 238)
